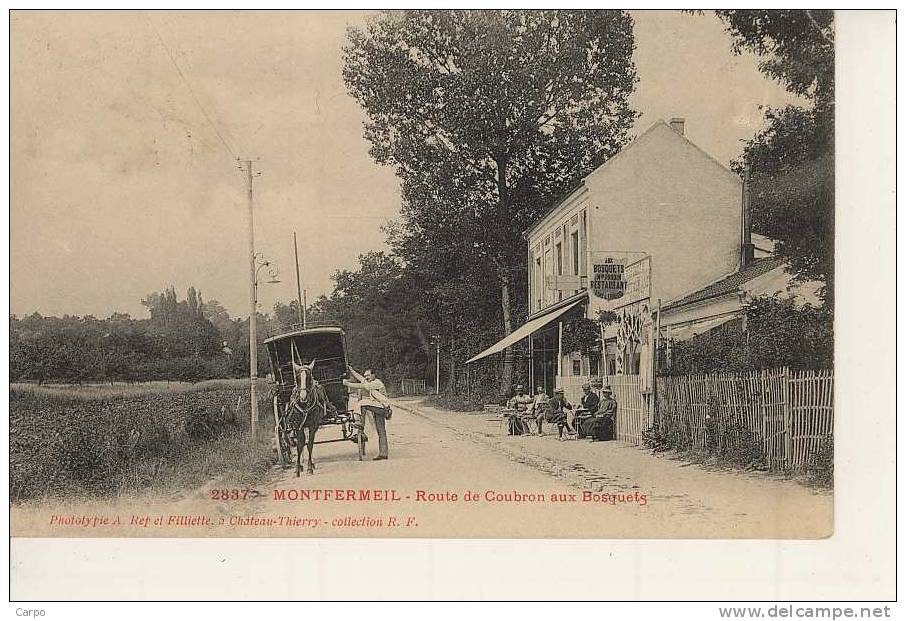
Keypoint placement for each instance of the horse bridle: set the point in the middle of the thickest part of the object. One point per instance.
(311, 398)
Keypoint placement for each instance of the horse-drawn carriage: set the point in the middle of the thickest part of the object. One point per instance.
(309, 367)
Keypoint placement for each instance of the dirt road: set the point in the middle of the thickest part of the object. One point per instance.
(457, 475)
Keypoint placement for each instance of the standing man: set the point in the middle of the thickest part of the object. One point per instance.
(539, 405)
(372, 395)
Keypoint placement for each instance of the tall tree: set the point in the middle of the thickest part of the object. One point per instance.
(487, 114)
(385, 327)
(791, 161)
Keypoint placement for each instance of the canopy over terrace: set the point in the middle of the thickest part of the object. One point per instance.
(527, 329)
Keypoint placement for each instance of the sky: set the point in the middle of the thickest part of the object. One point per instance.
(125, 129)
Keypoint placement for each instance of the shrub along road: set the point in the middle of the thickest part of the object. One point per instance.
(458, 475)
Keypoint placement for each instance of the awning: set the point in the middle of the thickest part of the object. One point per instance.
(528, 328)
(686, 332)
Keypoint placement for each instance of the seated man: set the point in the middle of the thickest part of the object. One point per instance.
(587, 408)
(520, 402)
(556, 412)
(601, 427)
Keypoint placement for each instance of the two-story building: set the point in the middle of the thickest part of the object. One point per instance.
(657, 220)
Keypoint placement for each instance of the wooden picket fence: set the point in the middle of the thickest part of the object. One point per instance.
(786, 414)
(632, 408)
(413, 387)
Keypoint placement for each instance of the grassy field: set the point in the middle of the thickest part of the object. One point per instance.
(106, 440)
(130, 389)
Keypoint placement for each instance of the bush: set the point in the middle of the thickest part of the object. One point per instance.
(725, 439)
(778, 334)
(458, 403)
(63, 443)
(822, 466)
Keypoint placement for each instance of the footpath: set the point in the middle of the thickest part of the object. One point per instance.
(758, 503)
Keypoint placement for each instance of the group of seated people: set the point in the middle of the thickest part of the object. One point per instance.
(594, 418)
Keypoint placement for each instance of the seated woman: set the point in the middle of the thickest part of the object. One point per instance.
(587, 408)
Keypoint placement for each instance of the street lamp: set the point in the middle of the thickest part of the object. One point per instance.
(435, 340)
(260, 262)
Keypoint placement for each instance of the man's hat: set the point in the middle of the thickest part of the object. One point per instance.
(597, 382)
(586, 386)
(607, 389)
(520, 387)
(560, 390)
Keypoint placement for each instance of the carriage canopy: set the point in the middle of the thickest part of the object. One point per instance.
(325, 345)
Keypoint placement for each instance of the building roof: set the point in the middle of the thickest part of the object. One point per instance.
(728, 284)
(578, 183)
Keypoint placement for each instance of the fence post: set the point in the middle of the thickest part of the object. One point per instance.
(787, 422)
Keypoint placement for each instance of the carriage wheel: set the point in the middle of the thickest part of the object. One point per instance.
(280, 439)
(362, 441)
(346, 430)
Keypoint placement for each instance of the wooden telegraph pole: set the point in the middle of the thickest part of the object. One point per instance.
(302, 318)
(253, 300)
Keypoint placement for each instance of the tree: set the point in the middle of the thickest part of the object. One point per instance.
(287, 314)
(192, 299)
(791, 162)
(487, 115)
(385, 327)
(796, 47)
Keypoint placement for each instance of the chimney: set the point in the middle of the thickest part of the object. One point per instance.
(678, 124)
(746, 247)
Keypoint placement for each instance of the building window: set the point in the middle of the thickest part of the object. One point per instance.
(583, 240)
(539, 284)
(559, 260)
(574, 243)
(594, 364)
(577, 367)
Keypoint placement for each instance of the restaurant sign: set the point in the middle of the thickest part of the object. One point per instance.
(607, 278)
(637, 279)
(622, 277)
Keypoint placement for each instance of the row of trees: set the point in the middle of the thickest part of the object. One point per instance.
(185, 340)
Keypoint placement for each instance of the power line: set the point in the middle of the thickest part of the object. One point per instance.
(190, 89)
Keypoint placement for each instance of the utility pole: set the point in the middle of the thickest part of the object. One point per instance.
(253, 302)
(437, 370)
(299, 283)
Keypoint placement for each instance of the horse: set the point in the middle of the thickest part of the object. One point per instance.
(307, 407)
